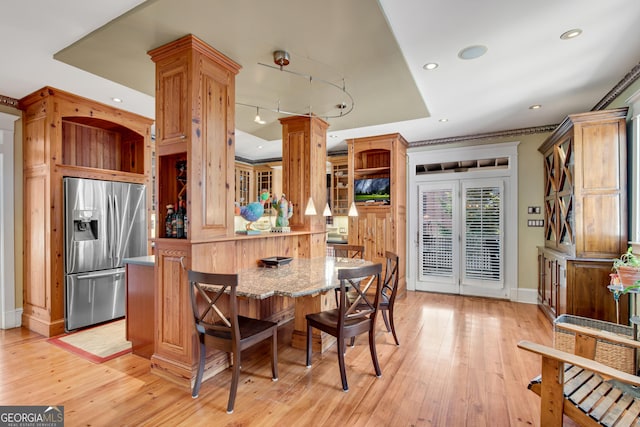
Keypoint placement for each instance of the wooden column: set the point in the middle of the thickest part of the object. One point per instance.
(304, 158)
(195, 126)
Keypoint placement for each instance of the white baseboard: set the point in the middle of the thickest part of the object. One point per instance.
(527, 296)
(12, 319)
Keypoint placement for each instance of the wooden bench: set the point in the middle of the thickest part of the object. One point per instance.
(587, 391)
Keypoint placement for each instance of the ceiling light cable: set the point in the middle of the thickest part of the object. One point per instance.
(281, 59)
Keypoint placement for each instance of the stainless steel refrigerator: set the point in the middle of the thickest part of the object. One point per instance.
(104, 223)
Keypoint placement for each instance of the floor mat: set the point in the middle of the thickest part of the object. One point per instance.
(97, 344)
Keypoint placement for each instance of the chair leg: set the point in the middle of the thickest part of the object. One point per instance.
(203, 354)
(274, 356)
(352, 342)
(374, 354)
(343, 371)
(308, 345)
(386, 320)
(393, 326)
(235, 376)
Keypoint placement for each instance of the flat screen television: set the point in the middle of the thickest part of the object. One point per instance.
(367, 190)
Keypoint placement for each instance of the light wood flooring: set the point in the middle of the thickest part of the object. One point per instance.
(457, 365)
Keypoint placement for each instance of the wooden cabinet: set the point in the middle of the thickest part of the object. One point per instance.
(381, 224)
(585, 185)
(340, 188)
(585, 209)
(268, 177)
(245, 184)
(374, 230)
(66, 135)
(140, 307)
(552, 283)
(578, 287)
(195, 92)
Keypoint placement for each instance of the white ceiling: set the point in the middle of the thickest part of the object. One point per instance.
(526, 63)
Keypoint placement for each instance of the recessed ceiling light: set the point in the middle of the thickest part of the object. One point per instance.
(430, 66)
(443, 120)
(571, 34)
(333, 136)
(259, 147)
(472, 52)
(535, 107)
(118, 100)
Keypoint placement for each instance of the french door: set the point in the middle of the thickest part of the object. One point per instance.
(461, 237)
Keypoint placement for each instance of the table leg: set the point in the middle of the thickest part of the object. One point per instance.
(312, 304)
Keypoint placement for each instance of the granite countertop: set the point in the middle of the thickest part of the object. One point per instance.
(148, 260)
(301, 277)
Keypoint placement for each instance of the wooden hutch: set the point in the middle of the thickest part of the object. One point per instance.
(585, 211)
(66, 135)
(381, 226)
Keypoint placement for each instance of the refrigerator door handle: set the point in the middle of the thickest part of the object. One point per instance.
(116, 229)
(101, 274)
(111, 215)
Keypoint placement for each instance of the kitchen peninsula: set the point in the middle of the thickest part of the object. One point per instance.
(300, 281)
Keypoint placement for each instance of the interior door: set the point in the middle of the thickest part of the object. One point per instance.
(461, 237)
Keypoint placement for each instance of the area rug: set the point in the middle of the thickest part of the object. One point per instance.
(97, 344)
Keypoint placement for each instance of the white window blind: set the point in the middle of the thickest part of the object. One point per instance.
(483, 239)
(436, 206)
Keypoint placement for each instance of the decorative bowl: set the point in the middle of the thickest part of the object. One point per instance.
(275, 261)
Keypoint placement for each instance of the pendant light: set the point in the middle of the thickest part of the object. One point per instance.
(258, 119)
(327, 210)
(353, 211)
(310, 209)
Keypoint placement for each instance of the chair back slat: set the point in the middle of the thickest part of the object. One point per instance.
(348, 251)
(390, 282)
(359, 292)
(207, 289)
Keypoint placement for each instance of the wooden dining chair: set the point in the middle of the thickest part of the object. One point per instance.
(354, 316)
(389, 291)
(227, 330)
(348, 251)
(341, 250)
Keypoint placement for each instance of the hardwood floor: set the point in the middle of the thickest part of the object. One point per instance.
(457, 365)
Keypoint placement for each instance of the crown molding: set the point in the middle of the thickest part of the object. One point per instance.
(622, 85)
(487, 135)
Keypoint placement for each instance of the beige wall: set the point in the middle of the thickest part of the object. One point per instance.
(530, 193)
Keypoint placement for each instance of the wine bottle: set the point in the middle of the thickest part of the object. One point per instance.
(168, 224)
